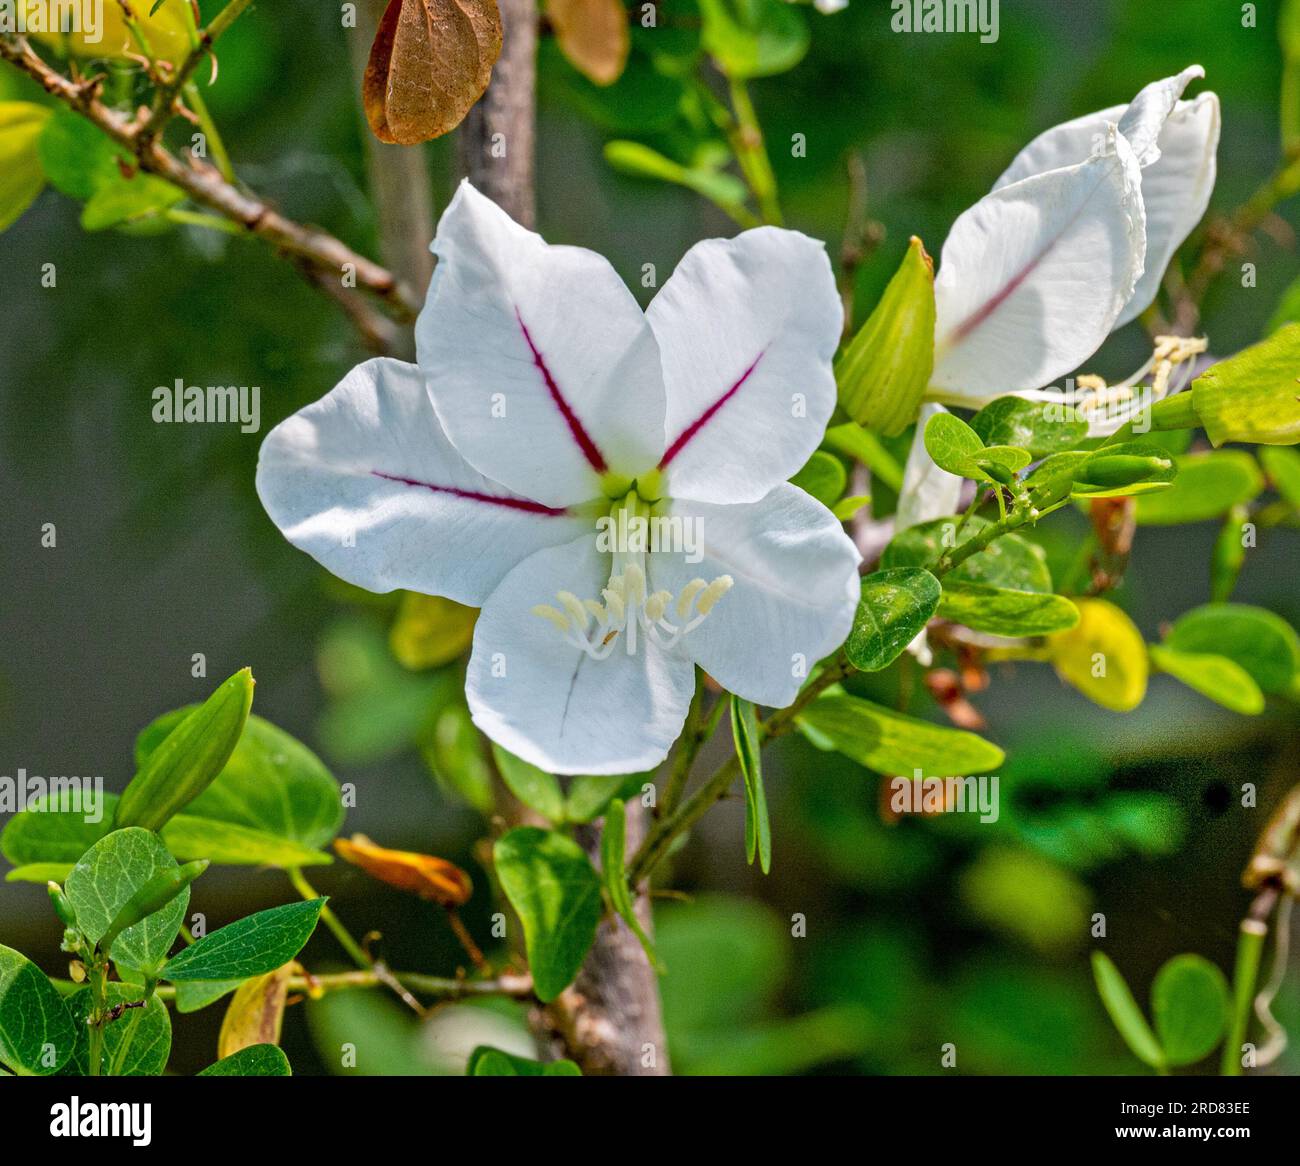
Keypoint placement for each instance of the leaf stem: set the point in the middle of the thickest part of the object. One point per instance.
(1250, 949)
(747, 141)
(332, 921)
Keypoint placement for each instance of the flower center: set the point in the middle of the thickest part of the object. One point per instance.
(625, 608)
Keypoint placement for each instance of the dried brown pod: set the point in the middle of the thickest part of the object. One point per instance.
(430, 62)
(592, 35)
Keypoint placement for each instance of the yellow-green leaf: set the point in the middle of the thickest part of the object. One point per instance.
(1103, 656)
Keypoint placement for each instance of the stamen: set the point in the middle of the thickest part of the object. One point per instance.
(627, 611)
(546, 611)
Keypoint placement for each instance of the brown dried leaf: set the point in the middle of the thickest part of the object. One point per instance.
(430, 62)
(593, 36)
(255, 1012)
(431, 878)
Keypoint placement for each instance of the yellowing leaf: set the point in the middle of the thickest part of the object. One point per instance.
(255, 1012)
(592, 35)
(430, 631)
(21, 174)
(430, 62)
(166, 31)
(431, 878)
(1103, 656)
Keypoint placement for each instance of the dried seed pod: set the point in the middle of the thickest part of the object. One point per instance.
(430, 62)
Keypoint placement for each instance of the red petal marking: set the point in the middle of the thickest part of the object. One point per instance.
(526, 504)
(580, 435)
(704, 418)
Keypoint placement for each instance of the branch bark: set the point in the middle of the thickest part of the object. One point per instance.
(325, 256)
(609, 1020)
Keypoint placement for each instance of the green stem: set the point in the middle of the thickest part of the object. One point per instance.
(1250, 949)
(95, 1021)
(747, 141)
(137, 1015)
(209, 128)
(199, 219)
(662, 835)
(350, 945)
(442, 987)
(691, 741)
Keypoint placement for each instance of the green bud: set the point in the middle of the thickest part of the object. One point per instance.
(1121, 469)
(62, 908)
(1229, 555)
(1255, 395)
(883, 372)
(153, 896)
(994, 469)
(189, 759)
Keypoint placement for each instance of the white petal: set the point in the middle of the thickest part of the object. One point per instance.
(1176, 190)
(1146, 115)
(549, 703)
(928, 491)
(542, 366)
(1034, 275)
(365, 481)
(747, 328)
(1177, 178)
(795, 591)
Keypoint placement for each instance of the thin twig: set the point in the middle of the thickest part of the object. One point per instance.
(328, 257)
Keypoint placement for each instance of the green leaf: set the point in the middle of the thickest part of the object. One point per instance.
(62, 835)
(534, 787)
(753, 38)
(1255, 395)
(846, 508)
(640, 161)
(1041, 427)
(892, 743)
(194, 995)
(189, 758)
(1124, 470)
(1124, 1011)
(21, 175)
(39, 872)
(590, 793)
(1208, 485)
(156, 894)
(883, 371)
(758, 829)
(951, 444)
(486, 1061)
(36, 1032)
(551, 884)
(76, 155)
(1189, 1000)
(1262, 643)
(1010, 562)
(251, 946)
(1283, 468)
(895, 607)
(271, 782)
(119, 200)
(823, 476)
(225, 843)
(150, 1035)
(1003, 612)
(455, 756)
(251, 1061)
(1217, 677)
(613, 846)
(107, 877)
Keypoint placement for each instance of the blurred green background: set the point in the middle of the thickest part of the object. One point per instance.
(917, 934)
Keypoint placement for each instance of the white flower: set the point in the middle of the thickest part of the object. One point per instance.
(1071, 243)
(545, 400)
